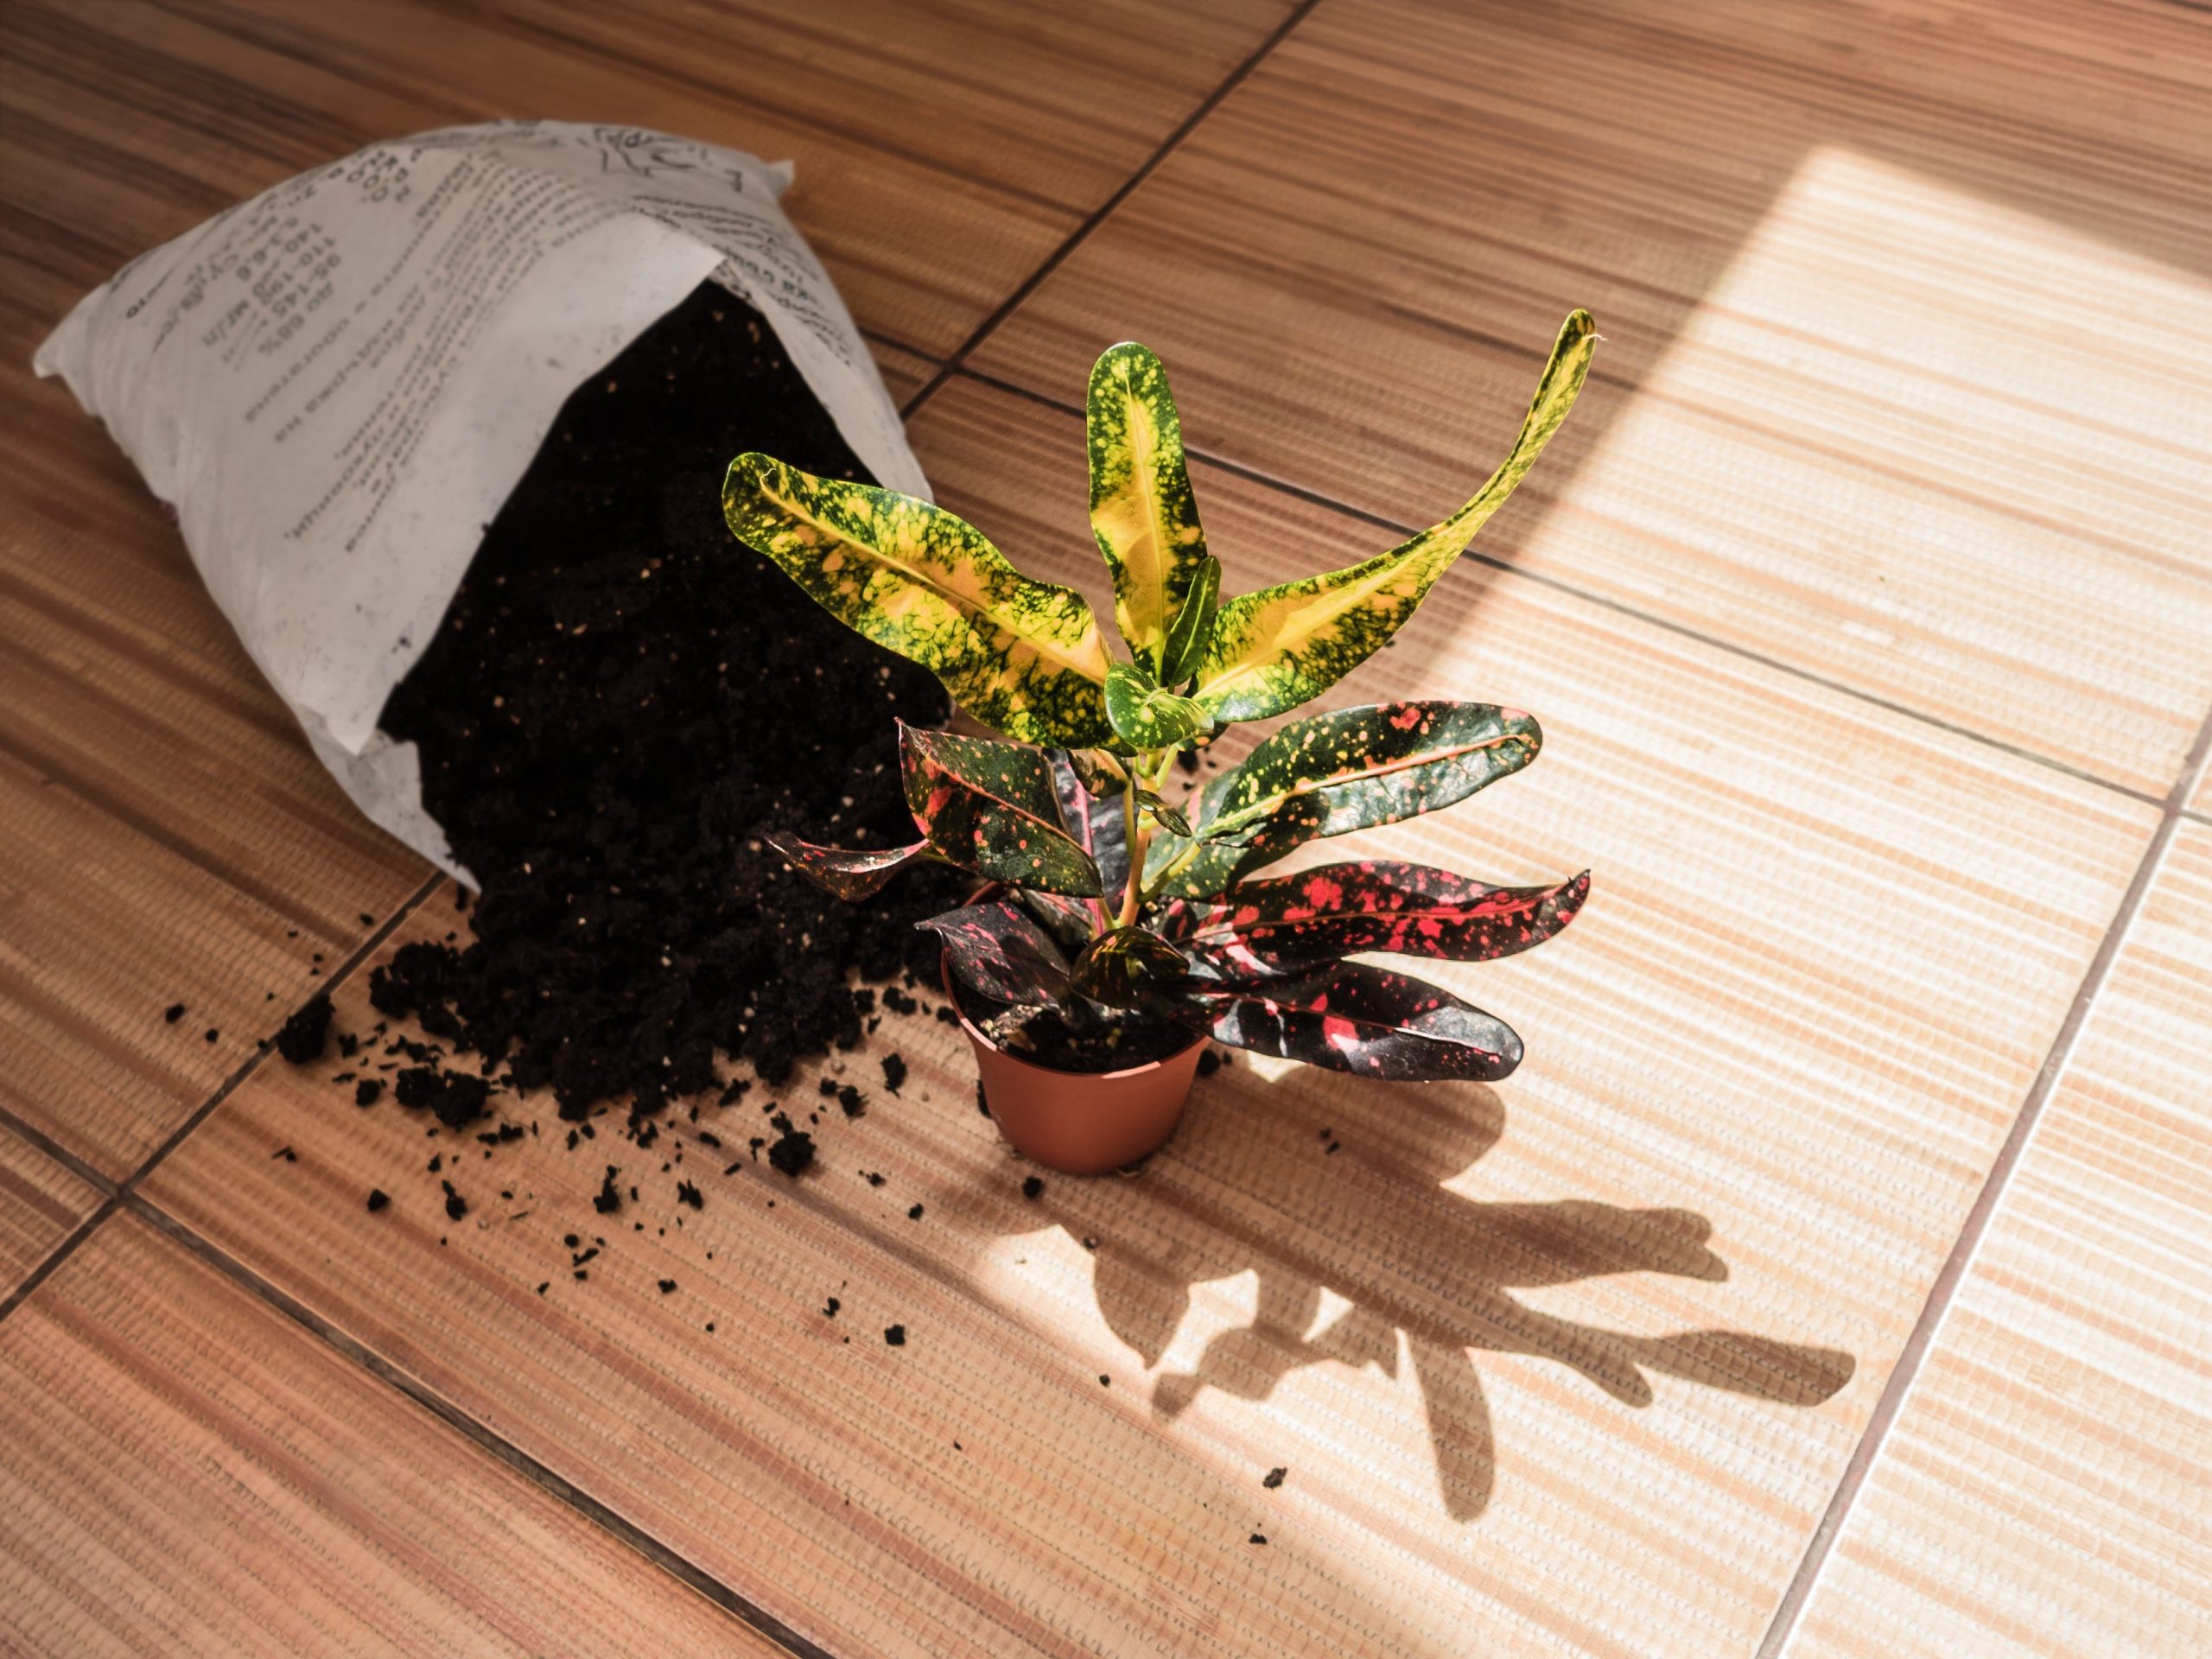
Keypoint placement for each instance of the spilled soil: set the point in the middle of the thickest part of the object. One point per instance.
(620, 702)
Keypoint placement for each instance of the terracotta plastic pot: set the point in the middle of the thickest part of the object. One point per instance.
(1081, 1122)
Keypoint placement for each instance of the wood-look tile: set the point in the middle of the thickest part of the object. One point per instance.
(904, 372)
(1043, 101)
(1569, 1365)
(188, 1473)
(41, 1205)
(2043, 1489)
(1908, 329)
(131, 125)
(935, 169)
(165, 834)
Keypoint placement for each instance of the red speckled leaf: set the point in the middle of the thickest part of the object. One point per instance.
(848, 873)
(1351, 1017)
(1289, 921)
(997, 947)
(990, 807)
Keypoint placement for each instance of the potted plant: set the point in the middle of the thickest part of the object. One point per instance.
(1118, 929)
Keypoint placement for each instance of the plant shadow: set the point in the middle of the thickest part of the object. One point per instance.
(1250, 1184)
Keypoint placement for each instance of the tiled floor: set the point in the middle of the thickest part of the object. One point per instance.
(1833, 1276)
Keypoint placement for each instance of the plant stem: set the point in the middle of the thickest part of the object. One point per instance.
(1138, 838)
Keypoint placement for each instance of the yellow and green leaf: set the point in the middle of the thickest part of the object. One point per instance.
(1023, 657)
(1273, 649)
(1193, 625)
(1142, 512)
(1146, 717)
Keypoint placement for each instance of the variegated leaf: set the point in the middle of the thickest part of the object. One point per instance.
(1286, 922)
(1180, 866)
(1125, 968)
(1146, 717)
(1352, 1017)
(996, 948)
(1099, 771)
(849, 874)
(991, 807)
(1142, 512)
(1188, 634)
(1165, 814)
(1073, 923)
(1096, 824)
(1025, 657)
(1372, 765)
(1273, 649)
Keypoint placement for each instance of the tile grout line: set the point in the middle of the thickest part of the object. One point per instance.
(1619, 608)
(1967, 1246)
(591, 1510)
(119, 1193)
(1075, 238)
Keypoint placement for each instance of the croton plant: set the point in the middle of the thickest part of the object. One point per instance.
(1113, 902)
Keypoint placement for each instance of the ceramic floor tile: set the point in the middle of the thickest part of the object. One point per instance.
(165, 834)
(1570, 1364)
(131, 124)
(904, 372)
(2043, 1490)
(1040, 101)
(188, 1473)
(41, 1205)
(1908, 333)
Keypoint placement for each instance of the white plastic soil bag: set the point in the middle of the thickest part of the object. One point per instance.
(336, 383)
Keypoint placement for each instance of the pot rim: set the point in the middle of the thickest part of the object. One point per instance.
(976, 1035)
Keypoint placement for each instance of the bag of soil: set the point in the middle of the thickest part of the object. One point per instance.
(337, 384)
(444, 426)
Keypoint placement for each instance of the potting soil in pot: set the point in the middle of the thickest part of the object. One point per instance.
(621, 700)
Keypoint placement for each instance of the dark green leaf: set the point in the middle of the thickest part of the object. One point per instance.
(991, 807)
(1178, 867)
(1373, 765)
(1193, 625)
(1100, 773)
(1168, 817)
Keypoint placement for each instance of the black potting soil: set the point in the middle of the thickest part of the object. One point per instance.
(620, 702)
(300, 1039)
